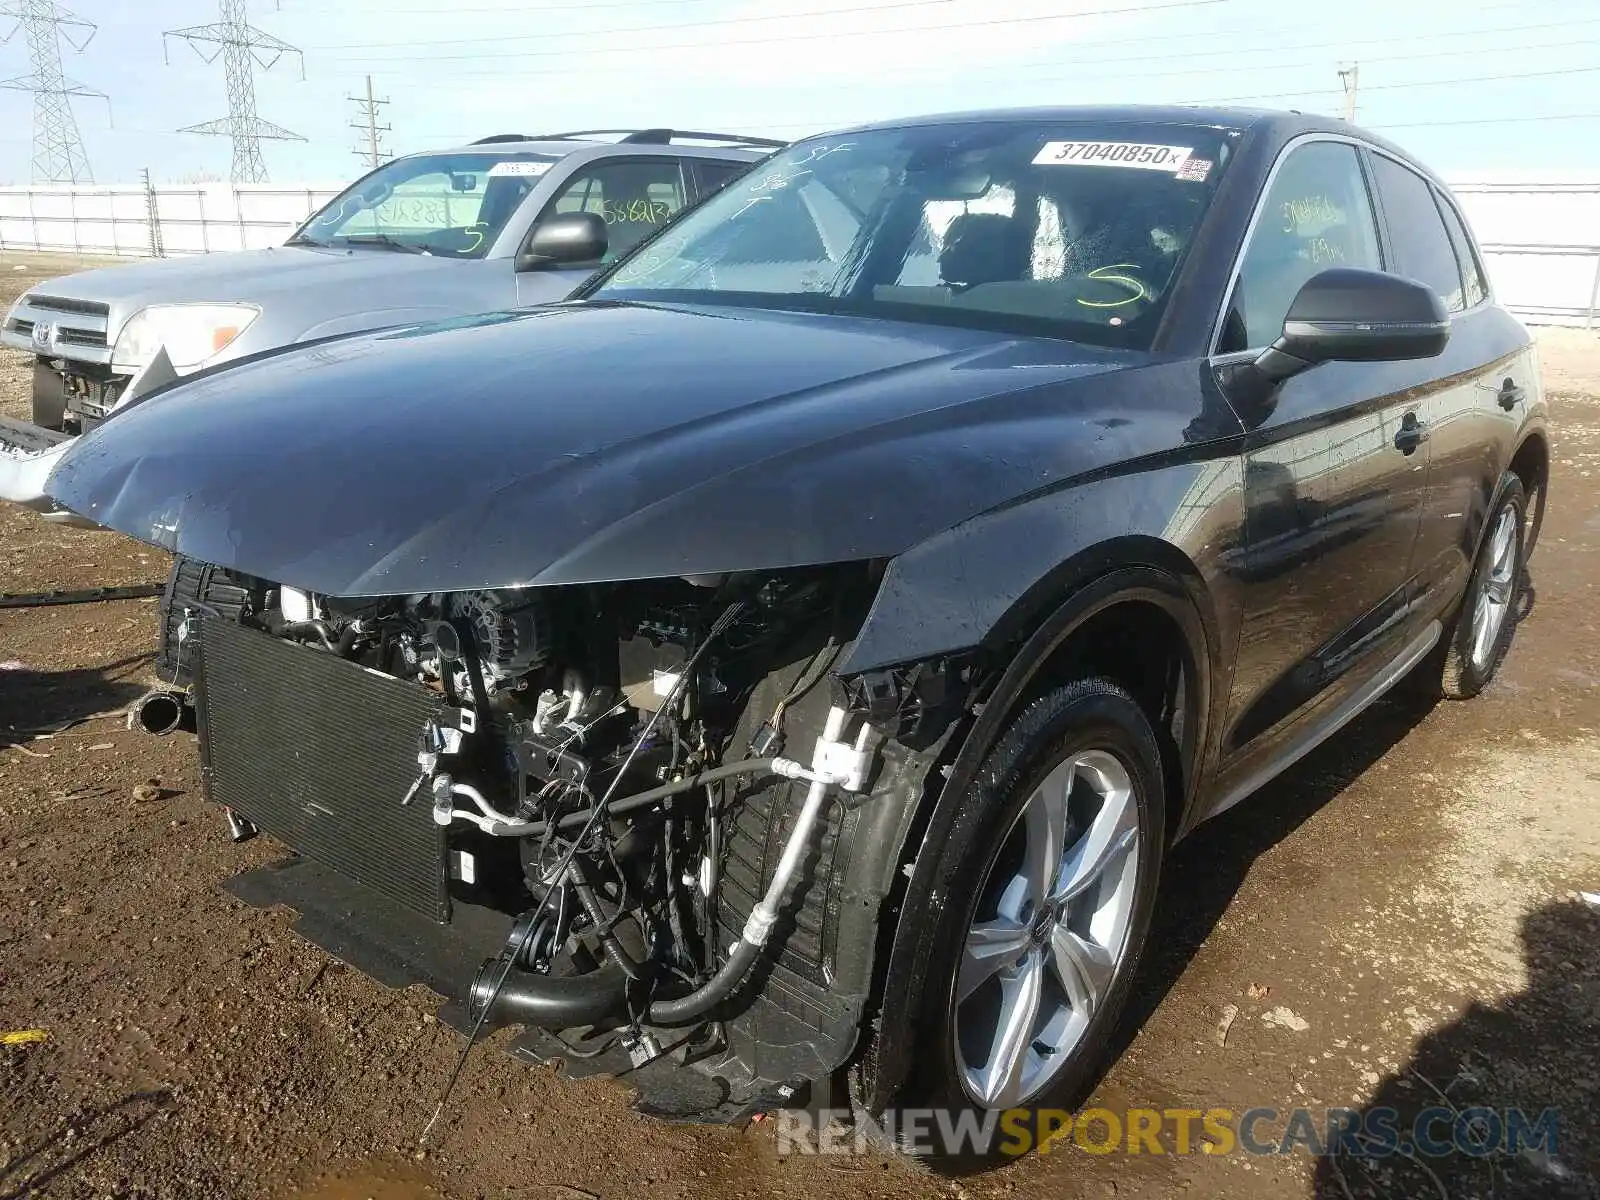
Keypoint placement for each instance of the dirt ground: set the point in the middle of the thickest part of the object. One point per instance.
(1400, 922)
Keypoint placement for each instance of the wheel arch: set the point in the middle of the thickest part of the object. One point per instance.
(1121, 609)
(1136, 585)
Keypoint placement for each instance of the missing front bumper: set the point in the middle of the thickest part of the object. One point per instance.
(27, 456)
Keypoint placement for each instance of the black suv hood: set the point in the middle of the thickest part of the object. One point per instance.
(582, 443)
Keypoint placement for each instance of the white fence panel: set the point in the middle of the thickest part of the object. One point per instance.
(200, 219)
(1541, 240)
(1541, 245)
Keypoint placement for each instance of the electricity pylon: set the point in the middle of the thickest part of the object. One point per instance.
(58, 155)
(243, 48)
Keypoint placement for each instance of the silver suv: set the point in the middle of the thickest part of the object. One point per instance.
(497, 224)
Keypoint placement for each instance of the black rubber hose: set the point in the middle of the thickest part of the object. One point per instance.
(686, 1010)
(547, 1001)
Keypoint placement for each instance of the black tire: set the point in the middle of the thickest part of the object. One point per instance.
(1461, 675)
(1087, 715)
(1537, 493)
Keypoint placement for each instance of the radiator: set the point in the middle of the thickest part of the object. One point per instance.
(319, 752)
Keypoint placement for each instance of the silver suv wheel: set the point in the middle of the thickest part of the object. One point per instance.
(1050, 929)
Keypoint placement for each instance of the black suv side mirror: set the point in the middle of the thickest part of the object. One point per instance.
(1350, 315)
(562, 240)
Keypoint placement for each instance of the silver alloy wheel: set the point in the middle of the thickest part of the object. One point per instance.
(1494, 594)
(1049, 931)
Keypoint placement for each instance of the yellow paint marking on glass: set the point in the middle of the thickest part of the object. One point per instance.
(1106, 273)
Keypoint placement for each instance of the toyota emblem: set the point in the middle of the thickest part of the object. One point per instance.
(43, 335)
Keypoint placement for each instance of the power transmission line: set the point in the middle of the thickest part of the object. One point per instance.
(819, 126)
(367, 110)
(528, 11)
(547, 35)
(243, 48)
(854, 11)
(784, 38)
(1408, 84)
(1499, 50)
(1231, 51)
(58, 154)
(1536, 119)
(824, 126)
(1533, 120)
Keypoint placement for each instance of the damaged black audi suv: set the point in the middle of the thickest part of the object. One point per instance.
(791, 658)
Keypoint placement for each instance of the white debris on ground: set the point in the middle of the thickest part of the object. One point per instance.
(1285, 1018)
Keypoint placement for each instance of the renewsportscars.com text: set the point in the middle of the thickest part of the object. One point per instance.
(1370, 1133)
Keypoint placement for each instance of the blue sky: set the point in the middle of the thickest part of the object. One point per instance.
(1469, 89)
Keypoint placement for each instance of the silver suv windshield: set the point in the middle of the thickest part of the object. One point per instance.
(1062, 229)
(445, 204)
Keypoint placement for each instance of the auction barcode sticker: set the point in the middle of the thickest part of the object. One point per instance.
(1114, 154)
(519, 168)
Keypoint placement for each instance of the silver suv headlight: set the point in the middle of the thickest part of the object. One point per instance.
(192, 333)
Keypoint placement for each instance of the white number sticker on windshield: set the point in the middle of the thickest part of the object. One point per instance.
(1113, 154)
(519, 168)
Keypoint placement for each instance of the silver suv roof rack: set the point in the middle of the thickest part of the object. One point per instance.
(662, 137)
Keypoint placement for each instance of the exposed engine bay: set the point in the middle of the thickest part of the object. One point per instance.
(659, 781)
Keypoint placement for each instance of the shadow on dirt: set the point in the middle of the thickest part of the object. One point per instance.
(80, 1137)
(1476, 1104)
(1204, 872)
(34, 702)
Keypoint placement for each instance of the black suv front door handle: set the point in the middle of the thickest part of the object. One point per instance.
(1509, 395)
(1410, 434)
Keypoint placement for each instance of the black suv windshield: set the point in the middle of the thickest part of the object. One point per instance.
(448, 204)
(1066, 229)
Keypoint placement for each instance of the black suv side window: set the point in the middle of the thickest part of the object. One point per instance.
(1477, 285)
(1316, 215)
(632, 196)
(711, 175)
(1422, 248)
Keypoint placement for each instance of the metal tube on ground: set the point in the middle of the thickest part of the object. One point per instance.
(160, 713)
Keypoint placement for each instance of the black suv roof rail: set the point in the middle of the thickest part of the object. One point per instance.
(664, 137)
(503, 137)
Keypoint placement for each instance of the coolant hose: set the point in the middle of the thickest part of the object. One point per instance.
(688, 1009)
(533, 998)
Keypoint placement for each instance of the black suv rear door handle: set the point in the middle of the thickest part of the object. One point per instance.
(1410, 434)
(1509, 395)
